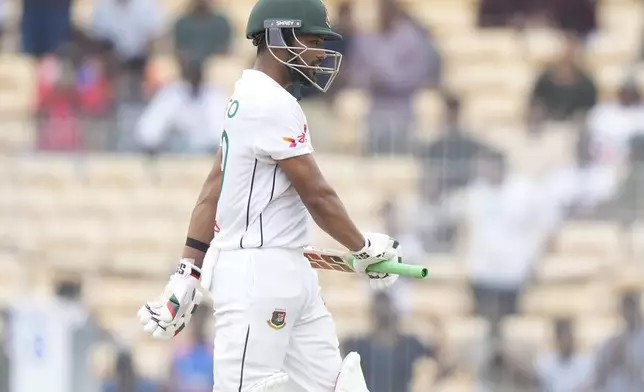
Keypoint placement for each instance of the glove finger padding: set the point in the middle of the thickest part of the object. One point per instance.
(169, 313)
(380, 281)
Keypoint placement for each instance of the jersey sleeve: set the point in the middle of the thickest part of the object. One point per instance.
(285, 135)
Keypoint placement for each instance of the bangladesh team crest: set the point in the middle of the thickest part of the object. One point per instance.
(278, 319)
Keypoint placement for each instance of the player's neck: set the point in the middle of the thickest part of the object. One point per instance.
(273, 69)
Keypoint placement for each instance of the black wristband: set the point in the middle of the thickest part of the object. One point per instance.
(196, 244)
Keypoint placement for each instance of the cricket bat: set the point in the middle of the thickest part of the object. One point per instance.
(335, 260)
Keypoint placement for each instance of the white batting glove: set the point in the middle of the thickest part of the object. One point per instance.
(378, 247)
(168, 314)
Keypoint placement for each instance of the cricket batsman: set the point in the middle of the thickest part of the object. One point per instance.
(273, 331)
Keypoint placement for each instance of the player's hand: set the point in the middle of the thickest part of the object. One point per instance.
(378, 247)
(168, 314)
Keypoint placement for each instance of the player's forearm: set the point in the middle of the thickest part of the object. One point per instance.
(202, 221)
(329, 214)
(201, 228)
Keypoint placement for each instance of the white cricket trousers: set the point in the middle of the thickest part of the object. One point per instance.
(270, 317)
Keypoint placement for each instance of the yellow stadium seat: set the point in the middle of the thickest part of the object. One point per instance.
(17, 85)
(628, 276)
(608, 48)
(441, 300)
(18, 135)
(580, 299)
(445, 268)
(460, 382)
(558, 268)
(542, 45)
(124, 293)
(224, 71)
(116, 171)
(622, 17)
(592, 331)
(452, 17)
(609, 78)
(153, 358)
(464, 337)
(488, 45)
(82, 13)
(596, 239)
(47, 171)
(350, 110)
(430, 109)
(529, 332)
(493, 110)
(185, 172)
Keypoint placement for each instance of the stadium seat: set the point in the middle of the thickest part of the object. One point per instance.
(446, 269)
(460, 382)
(116, 171)
(48, 171)
(224, 71)
(429, 109)
(580, 299)
(464, 338)
(17, 85)
(542, 45)
(587, 238)
(440, 300)
(559, 268)
(125, 293)
(493, 110)
(527, 332)
(152, 359)
(592, 331)
(350, 110)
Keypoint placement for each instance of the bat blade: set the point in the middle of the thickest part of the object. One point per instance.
(328, 259)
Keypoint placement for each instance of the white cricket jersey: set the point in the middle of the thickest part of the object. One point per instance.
(258, 207)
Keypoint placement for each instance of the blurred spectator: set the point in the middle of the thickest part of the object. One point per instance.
(498, 372)
(502, 13)
(504, 230)
(561, 370)
(202, 32)
(426, 225)
(184, 116)
(128, 27)
(564, 91)
(52, 337)
(564, 370)
(450, 157)
(44, 25)
(388, 356)
(392, 65)
(126, 378)
(576, 16)
(59, 106)
(582, 190)
(630, 201)
(620, 361)
(193, 361)
(611, 126)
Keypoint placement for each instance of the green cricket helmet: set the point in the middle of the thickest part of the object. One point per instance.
(281, 20)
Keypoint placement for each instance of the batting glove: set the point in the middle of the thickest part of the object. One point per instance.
(168, 314)
(378, 247)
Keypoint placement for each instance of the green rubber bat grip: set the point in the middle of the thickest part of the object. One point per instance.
(391, 267)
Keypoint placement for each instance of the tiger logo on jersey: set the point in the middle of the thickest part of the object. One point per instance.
(278, 319)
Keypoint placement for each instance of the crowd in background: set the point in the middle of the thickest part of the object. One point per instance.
(97, 90)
